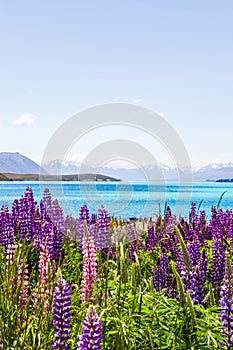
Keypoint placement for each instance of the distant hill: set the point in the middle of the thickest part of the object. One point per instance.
(16, 163)
(224, 180)
(48, 177)
(3, 177)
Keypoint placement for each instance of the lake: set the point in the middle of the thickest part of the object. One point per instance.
(125, 199)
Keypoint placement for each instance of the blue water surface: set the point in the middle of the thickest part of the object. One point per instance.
(125, 199)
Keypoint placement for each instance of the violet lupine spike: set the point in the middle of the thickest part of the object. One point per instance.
(59, 232)
(15, 216)
(202, 272)
(226, 302)
(43, 210)
(197, 280)
(53, 213)
(134, 236)
(89, 271)
(194, 286)
(151, 237)
(102, 236)
(47, 238)
(132, 250)
(167, 215)
(193, 215)
(72, 226)
(91, 337)
(6, 228)
(161, 273)
(218, 263)
(58, 218)
(47, 205)
(193, 247)
(84, 214)
(230, 231)
(201, 225)
(61, 315)
(93, 218)
(37, 230)
(27, 210)
(80, 227)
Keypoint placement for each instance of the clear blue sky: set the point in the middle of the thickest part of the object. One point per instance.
(60, 57)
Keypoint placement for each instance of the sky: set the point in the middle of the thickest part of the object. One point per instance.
(61, 57)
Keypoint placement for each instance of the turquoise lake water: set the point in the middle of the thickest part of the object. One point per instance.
(125, 199)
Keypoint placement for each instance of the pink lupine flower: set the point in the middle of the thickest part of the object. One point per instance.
(22, 282)
(89, 267)
(44, 290)
(10, 252)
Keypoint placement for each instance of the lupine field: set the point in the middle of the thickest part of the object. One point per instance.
(96, 282)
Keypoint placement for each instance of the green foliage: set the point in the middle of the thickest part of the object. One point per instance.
(133, 315)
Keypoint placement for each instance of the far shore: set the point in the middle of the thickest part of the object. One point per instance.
(48, 177)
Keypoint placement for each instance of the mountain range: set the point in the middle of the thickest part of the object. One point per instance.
(211, 172)
(19, 164)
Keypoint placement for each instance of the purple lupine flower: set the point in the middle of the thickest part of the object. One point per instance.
(91, 332)
(196, 281)
(47, 238)
(193, 247)
(58, 222)
(193, 215)
(226, 302)
(46, 205)
(135, 240)
(202, 272)
(27, 210)
(134, 247)
(37, 230)
(102, 234)
(151, 238)
(15, 216)
(167, 215)
(197, 278)
(43, 210)
(61, 315)
(84, 214)
(72, 227)
(53, 213)
(6, 228)
(161, 273)
(218, 262)
(93, 218)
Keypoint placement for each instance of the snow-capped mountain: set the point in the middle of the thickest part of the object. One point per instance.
(19, 164)
(157, 172)
(57, 167)
(214, 172)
